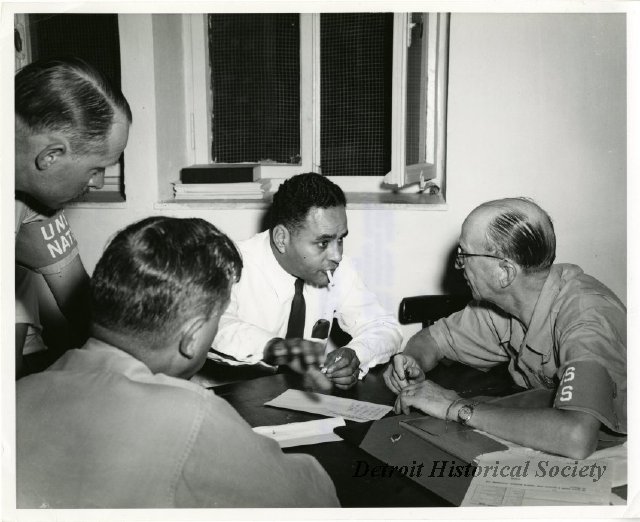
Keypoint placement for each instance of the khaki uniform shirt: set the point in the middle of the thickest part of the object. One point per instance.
(576, 344)
(99, 430)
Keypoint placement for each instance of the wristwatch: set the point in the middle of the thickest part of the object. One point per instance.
(465, 413)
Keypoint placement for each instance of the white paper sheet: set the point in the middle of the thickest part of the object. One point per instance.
(358, 411)
(302, 433)
(538, 481)
(615, 457)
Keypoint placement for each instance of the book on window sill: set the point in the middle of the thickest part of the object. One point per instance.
(211, 196)
(243, 190)
(219, 173)
(250, 187)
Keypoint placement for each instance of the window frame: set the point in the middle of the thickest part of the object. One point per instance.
(197, 88)
(434, 125)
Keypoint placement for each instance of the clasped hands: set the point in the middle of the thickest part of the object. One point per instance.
(341, 366)
(404, 376)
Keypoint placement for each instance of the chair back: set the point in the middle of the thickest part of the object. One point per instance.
(427, 309)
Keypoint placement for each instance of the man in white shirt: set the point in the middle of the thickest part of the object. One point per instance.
(304, 244)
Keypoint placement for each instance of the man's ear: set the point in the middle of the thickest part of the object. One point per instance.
(51, 154)
(190, 338)
(509, 273)
(281, 237)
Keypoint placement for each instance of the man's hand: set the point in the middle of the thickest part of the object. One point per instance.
(342, 367)
(426, 396)
(298, 354)
(401, 371)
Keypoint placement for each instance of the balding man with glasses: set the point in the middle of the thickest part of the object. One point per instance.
(558, 328)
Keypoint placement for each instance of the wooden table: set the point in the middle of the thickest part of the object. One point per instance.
(341, 458)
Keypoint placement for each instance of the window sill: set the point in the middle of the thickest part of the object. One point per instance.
(216, 204)
(396, 201)
(355, 201)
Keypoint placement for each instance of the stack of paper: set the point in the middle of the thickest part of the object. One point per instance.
(244, 190)
(358, 411)
(521, 476)
(508, 479)
(614, 457)
(302, 433)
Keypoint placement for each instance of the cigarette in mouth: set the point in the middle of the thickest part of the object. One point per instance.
(330, 277)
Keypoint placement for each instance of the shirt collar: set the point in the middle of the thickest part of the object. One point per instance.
(106, 358)
(283, 281)
(113, 359)
(539, 336)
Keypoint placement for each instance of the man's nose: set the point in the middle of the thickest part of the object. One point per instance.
(335, 253)
(97, 180)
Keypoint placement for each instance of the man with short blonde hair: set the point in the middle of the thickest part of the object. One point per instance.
(71, 123)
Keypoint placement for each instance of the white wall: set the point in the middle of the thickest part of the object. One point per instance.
(537, 107)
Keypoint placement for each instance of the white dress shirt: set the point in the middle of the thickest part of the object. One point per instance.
(261, 301)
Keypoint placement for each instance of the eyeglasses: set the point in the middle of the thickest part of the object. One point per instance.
(461, 254)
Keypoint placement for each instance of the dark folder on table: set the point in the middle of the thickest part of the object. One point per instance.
(464, 442)
(460, 441)
(444, 449)
(402, 441)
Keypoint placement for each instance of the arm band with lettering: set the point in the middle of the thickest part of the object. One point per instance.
(586, 386)
(47, 245)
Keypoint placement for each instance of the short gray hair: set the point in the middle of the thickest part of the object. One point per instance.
(522, 231)
(70, 96)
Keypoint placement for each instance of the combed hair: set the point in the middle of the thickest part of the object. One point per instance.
(70, 96)
(161, 271)
(299, 194)
(523, 232)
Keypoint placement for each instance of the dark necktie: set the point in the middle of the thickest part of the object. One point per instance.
(295, 328)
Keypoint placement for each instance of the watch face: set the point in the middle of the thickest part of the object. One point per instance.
(464, 413)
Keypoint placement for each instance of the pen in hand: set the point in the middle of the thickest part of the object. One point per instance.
(324, 370)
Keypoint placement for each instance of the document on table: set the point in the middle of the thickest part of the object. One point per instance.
(615, 457)
(302, 433)
(358, 411)
(501, 479)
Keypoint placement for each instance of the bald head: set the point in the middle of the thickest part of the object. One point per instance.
(518, 229)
